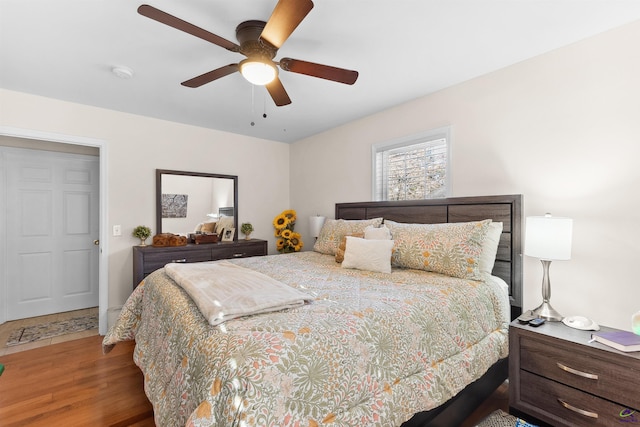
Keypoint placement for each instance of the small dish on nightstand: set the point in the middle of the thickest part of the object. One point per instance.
(581, 322)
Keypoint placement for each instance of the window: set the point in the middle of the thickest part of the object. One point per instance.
(415, 167)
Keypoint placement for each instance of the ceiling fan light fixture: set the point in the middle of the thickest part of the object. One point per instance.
(257, 71)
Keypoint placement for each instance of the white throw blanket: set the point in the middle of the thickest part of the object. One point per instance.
(224, 291)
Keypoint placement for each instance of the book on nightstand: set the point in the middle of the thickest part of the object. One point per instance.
(620, 340)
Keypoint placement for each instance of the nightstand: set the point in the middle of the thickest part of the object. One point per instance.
(556, 376)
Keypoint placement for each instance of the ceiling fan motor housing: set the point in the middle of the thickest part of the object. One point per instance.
(248, 34)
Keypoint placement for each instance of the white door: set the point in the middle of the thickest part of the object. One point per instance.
(52, 230)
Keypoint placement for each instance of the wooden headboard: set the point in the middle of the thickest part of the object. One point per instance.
(505, 209)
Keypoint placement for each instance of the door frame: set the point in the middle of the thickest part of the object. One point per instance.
(103, 252)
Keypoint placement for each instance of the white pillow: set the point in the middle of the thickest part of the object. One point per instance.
(373, 233)
(224, 223)
(490, 247)
(370, 255)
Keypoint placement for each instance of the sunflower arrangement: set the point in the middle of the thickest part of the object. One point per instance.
(288, 240)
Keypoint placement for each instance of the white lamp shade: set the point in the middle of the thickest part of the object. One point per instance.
(315, 224)
(548, 237)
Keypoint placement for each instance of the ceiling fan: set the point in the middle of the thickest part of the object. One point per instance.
(259, 42)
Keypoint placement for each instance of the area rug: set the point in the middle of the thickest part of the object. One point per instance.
(52, 329)
(502, 419)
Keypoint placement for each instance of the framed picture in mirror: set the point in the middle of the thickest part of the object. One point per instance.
(227, 234)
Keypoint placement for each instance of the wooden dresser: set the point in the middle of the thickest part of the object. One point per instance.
(147, 259)
(556, 376)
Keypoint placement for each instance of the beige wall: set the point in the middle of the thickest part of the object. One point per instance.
(137, 146)
(563, 129)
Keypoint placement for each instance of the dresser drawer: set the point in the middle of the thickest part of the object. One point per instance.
(154, 261)
(561, 405)
(570, 364)
(249, 249)
(147, 259)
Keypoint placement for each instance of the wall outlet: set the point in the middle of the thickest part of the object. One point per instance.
(117, 230)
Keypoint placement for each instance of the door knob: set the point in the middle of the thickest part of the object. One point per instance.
(96, 242)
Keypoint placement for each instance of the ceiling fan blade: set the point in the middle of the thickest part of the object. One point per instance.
(327, 72)
(211, 76)
(177, 23)
(277, 92)
(284, 19)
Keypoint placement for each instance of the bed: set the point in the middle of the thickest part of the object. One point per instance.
(410, 348)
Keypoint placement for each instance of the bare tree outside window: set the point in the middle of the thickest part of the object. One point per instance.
(414, 168)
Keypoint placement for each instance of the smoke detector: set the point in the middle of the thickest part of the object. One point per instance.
(122, 72)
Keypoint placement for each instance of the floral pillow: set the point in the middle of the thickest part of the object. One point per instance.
(334, 230)
(453, 249)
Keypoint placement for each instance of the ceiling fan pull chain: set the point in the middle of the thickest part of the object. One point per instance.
(253, 102)
(264, 106)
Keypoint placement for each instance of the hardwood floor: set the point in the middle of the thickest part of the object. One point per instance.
(74, 384)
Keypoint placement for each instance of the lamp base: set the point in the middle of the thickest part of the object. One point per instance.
(547, 312)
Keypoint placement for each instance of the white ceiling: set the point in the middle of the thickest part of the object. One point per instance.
(403, 49)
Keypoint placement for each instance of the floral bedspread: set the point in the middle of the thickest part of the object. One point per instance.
(372, 349)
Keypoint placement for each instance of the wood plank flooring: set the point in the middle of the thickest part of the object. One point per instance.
(74, 384)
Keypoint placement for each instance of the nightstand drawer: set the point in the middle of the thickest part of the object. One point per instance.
(570, 365)
(566, 406)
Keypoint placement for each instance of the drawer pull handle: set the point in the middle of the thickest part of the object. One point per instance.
(576, 372)
(238, 255)
(179, 260)
(578, 410)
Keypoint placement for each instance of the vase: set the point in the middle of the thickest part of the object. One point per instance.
(143, 242)
(247, 236)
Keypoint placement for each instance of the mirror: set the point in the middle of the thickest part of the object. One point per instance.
(186, 199)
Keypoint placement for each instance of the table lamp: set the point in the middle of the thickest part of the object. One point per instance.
(548, 238)
(315, 225)
(635, 323)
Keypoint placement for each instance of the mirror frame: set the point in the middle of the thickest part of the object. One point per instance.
(161, 172)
